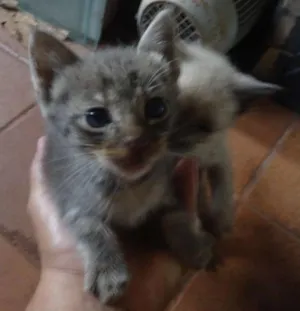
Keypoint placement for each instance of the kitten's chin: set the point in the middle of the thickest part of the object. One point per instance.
(138, 161)
(135, 175)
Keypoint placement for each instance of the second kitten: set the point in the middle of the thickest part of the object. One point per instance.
(211, 92)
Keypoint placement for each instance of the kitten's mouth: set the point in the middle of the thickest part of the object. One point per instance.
(139, 159)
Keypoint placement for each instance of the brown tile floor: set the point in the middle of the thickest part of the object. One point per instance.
(261, 268)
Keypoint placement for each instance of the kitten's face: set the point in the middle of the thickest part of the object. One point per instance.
(212, 92)
(118, 105)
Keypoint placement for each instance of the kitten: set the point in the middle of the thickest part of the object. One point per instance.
(211, 94)
(108, 118)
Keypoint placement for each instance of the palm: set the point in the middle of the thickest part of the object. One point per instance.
(56, 245)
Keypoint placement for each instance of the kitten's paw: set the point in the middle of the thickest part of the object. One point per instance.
(214, 263)
(197, 252)
(218, 226)
(106, 282)
(193, 246)
(221, 227)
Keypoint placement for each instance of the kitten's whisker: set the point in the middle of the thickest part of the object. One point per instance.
(110, 201)
(71, 178)
(57, 160)
(155, 75)
(89, 180)
(161, 71)
(115, 152)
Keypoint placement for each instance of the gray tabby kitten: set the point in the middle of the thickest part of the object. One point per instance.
(211, 94)
(116, 122)
(108, 119)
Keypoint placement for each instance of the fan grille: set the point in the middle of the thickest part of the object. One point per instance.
(185, 29)
(247, 11)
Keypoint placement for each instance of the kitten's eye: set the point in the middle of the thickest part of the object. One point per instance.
(97, 118)
(155, 109)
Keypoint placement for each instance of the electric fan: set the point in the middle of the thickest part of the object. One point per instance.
(218, 23)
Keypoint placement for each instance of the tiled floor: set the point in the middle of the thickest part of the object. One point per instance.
(261, 268)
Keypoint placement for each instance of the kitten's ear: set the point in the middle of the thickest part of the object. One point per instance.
(159, 37)
(47, 56)
(247, 87)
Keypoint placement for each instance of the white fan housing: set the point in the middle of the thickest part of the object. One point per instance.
(218, 23)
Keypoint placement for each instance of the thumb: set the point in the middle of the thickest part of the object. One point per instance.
(186, 180)
(36, 177)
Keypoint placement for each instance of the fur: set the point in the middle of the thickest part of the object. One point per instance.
(212, 91)
(112, 176)
(116, 174)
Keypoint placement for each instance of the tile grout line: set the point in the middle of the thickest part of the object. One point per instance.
(24, 245)
(276, 224)
(173, 303)
(265, 163)
(11, 52)
(16, 118)
(258, 173)
(245, 193)
(25, 61)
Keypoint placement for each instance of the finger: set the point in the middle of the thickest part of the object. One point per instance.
(50, 231)
(38, 193)
(186, 182)
(36, 176)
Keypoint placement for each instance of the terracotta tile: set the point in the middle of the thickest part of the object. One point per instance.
(15, 88)
(156, 278)
(247, 154)
(11, 45)
(6, 40)
(261, 271)
(17, 145)
(15, 85)
(277, 192)
(253, 137)
(18, 279)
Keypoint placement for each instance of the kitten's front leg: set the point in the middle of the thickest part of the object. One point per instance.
(105, 271)
(222, 209)
(187, 240)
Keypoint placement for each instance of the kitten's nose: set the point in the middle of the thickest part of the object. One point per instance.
(133, 137)
(135, 141)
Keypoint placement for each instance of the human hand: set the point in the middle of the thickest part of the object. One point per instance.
(61, 282)
(56, 245)
(60, 286)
